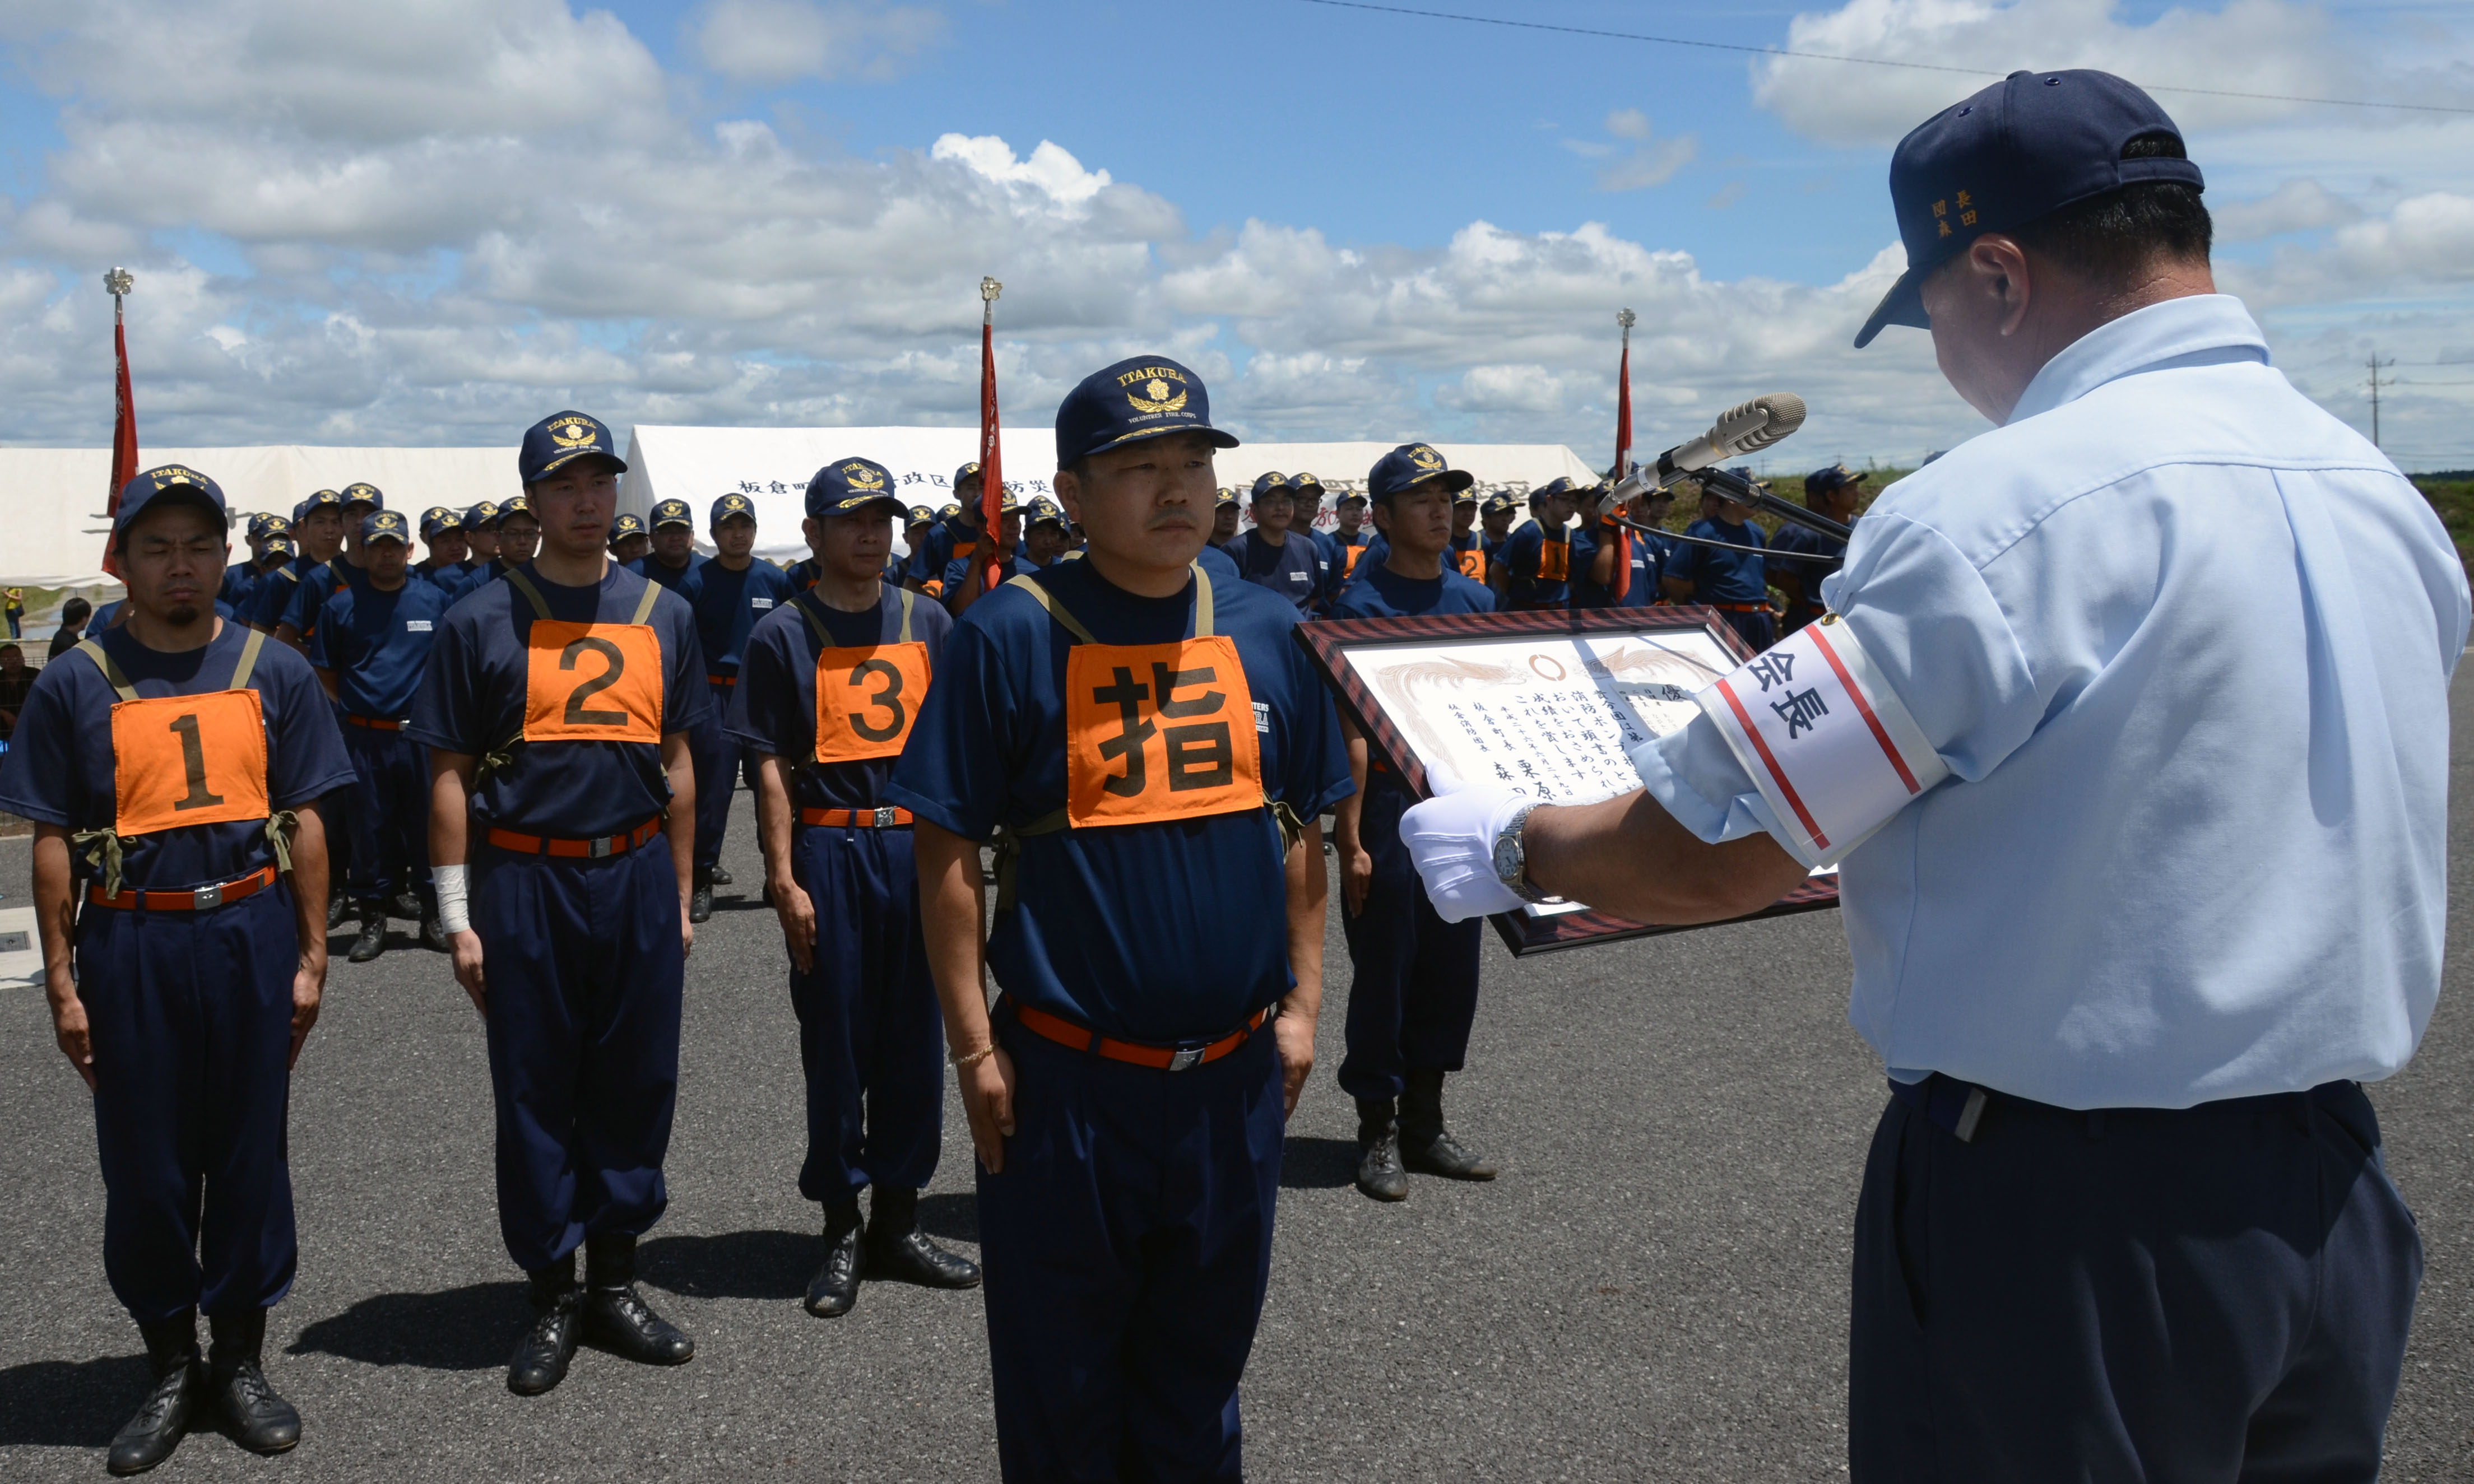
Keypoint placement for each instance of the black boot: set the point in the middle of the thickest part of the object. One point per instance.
(834, 1289)
(720, 875)
(372, 939)
(896, 1247)
(1426, 1146)
(700, 898)
(260, 1421)
(148, 1438)
(1380, 1176)
(337, 905)
(407, 905)
(542, 1356)
(617, 1316)
(433, 933)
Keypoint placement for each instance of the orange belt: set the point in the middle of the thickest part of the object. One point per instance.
(204, 898)
(1739, 608)
(721, 680)
(584, 850)
(374, 723)
(862, 819)
(1166, 1059)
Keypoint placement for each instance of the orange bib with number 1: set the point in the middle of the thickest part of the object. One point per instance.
(590, 681)
(867, 695)
(179, 760)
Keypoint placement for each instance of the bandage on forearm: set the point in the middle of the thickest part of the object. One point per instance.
(454, 885)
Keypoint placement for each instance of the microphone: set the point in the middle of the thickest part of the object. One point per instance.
(1748, 428)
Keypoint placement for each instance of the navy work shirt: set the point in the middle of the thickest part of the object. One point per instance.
(774, 707)
(472, 701)
(728, 605)
(678, 578)
(239, 579)
(1649, 558)
(946, 539)
(377, 642)
(1807, 554)
(1721, 576)
(273, 591)
(1535, 567)
(305, 602)
(1293, 569)
(1156, 932)
(58, 766)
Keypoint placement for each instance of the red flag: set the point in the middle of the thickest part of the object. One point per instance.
(124, 438)
(991, 466)
(1623, 454)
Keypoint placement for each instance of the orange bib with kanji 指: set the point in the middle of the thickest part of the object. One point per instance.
(867, 695)
(591, 682)
(1159, 731)
(182, 760)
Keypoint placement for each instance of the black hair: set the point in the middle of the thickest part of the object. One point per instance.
(76, 610)
(2109, 237)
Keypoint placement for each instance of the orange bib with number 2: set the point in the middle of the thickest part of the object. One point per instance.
(590, 681)
(180, 761)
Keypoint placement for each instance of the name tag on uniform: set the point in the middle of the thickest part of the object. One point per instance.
(1262, 716)
(760, 603)
(1828, 743)
(1148, 734)
(1300, 577)
(416, 626)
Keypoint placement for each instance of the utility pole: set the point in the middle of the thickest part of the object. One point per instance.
(2377, 366)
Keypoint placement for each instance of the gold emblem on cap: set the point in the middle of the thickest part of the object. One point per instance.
(1160, 401)
(859, 476)
(575, 432)
(1425, 458)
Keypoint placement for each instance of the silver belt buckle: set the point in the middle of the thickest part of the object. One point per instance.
(599, 845)
(885, 819)
(206, 898)
(1186, 1059)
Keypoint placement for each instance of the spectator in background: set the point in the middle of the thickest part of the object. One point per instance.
(15, 680)
(17, 613)
(73, 617)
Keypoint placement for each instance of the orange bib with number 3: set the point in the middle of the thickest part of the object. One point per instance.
(592, 682)
(867, 696)
(1159, 731)
(180, 761)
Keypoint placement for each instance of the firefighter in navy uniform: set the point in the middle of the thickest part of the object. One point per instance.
(730, 592)
(480, 545)
(829, 689)
(1538, 557)
(1157, 749)
(1496, 514)
(1413, 995)
(172, 767)
(1800, 556)
(555, 709)
(317, 535)
(955, 534)
(631, 540)
(1734, 581)
(442, 531)
(673, 562)
(1276, 554)
(372, 642)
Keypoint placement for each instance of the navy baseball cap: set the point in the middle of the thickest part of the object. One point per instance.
(948, 511)
(436, 519)
(626, 526)
(384, 525)
(176, 482)
(730, 505)
(1559, 484)
(970, 470)
(1137, 398)
(518, 505)
(280, 544)
(1226, 497)
(1350, 497)
(1500, 502)
(363, 494)
(1301, 483)
(1044, 512)
(2023, 147)
(1822, 481)
(846, 487)
(261, 526)
(323, 499)
(920, 516)
(1265, 484)
(671, 512)
(1414, 464)
(1468, 495)
(481, 516)
(560, 440)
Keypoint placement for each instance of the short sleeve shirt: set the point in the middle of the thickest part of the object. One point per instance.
(1722, 576)
(1809, 555)
(59, 769)
(471, 701)
(1525, 556)
(1293, 569)
(946, 539)
(729, 603)
(377, 643)
(773, 710)
(306, 602)
(1155, 932)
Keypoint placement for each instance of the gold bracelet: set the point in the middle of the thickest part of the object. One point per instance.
(964, 1061)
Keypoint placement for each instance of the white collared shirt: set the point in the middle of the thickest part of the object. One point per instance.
(2184, 641)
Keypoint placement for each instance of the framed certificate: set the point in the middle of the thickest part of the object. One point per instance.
(1547, 704)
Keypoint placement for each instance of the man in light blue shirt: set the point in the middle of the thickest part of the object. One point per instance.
(2127, 727)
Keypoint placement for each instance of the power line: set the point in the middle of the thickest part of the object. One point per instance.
(1868, 61)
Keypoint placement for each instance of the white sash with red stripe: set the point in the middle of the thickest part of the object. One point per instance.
(1827, 741)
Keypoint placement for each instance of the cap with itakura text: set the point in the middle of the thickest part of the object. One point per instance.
(362, 493)
(518, 505)
(626, 526)
(846, 487)
(560, 440)
(384, 525)
(1137, 398)
(481, 516)
(733, 506)
(320, 499)
(1411, 464)
(921, 515)
(1272, 483)
(671, 512)
(439, 518)
(2023, 147)
(174, 482)
(1044, 512)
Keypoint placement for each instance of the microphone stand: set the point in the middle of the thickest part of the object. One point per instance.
(1743, 492)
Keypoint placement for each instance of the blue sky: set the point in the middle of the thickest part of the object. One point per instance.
(431, 224)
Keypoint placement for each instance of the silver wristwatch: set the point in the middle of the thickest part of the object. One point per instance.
(1512, 857)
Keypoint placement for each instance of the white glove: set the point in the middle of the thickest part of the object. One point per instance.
(1451, 838)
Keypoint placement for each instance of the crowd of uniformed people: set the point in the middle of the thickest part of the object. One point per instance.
(527, 741)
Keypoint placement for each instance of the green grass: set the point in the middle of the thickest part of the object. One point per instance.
(2453, 499)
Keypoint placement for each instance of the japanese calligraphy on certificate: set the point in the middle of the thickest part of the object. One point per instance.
(1552, 716)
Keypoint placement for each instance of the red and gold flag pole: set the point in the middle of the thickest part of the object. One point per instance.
(1622, 580)
(991, 464)
(118, 282)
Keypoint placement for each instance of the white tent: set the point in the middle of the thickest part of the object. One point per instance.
(772, 466)
(54, 498)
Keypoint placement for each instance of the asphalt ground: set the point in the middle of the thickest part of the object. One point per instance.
(1655, 1289)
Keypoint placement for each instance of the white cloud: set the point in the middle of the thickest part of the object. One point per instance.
(1649, 161)
(780, 40)
(2297, 206)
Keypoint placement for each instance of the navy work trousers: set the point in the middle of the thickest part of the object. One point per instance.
(720, 763)
(191, 1018)
(1414, 995)
(1127, 1245)
(389, 813)
(871, 1038)
(582, 963)
(2218, 1293)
